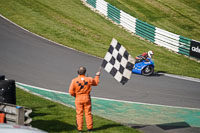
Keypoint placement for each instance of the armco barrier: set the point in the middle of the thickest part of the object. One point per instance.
(156, 35)
(102, 7)
(167, 39)
(92, 3)
(114, 13)
(15, 114)
(128, 22)
(145, 30)
(184, 47)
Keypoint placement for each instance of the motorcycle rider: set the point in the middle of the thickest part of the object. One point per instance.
(144, 56)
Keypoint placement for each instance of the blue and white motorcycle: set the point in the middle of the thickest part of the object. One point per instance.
(145, 68)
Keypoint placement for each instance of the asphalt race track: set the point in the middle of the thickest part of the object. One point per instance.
(32, 60)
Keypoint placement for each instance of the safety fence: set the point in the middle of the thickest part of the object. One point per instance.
(155, 35)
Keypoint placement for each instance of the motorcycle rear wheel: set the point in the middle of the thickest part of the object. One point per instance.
(148, 70)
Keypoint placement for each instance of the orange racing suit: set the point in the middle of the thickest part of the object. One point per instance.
(80, 88)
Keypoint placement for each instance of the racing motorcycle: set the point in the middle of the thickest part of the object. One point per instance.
(143, 67)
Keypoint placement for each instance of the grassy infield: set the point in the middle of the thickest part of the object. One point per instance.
(70, 23)
(56, 118)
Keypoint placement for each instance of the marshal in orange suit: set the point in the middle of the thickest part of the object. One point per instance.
(80, 88)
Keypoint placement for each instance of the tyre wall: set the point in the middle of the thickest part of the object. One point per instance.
(7, 90)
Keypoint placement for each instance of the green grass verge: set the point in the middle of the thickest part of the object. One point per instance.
(54, 117)
(72, 24)
(178, 16)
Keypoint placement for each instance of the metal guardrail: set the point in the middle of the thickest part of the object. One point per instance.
(15, 114)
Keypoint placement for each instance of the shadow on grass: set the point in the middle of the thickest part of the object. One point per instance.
(35, 109)
(39, 107)
(165, 126)
(53, 126)
(169, 126)
(106, 127)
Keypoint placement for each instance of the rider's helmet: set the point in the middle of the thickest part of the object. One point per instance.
(150, 53)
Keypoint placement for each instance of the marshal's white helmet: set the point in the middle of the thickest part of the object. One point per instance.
(150, 53)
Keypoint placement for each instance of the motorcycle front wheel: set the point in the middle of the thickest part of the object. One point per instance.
(148, 70)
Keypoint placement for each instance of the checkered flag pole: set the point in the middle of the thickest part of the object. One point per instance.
(118, 62)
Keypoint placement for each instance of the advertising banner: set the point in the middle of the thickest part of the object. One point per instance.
(195, 49)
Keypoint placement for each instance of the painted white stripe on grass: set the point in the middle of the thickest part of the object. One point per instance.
(111, 99)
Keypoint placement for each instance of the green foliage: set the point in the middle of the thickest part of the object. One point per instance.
(57, 118)
(72, 24)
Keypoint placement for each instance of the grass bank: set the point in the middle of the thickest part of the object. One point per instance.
(72, 24)
(178, 16)
(54, 117)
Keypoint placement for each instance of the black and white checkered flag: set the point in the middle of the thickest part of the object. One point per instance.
(118, 62)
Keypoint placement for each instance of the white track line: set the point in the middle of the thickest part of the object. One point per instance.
(181, 77)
